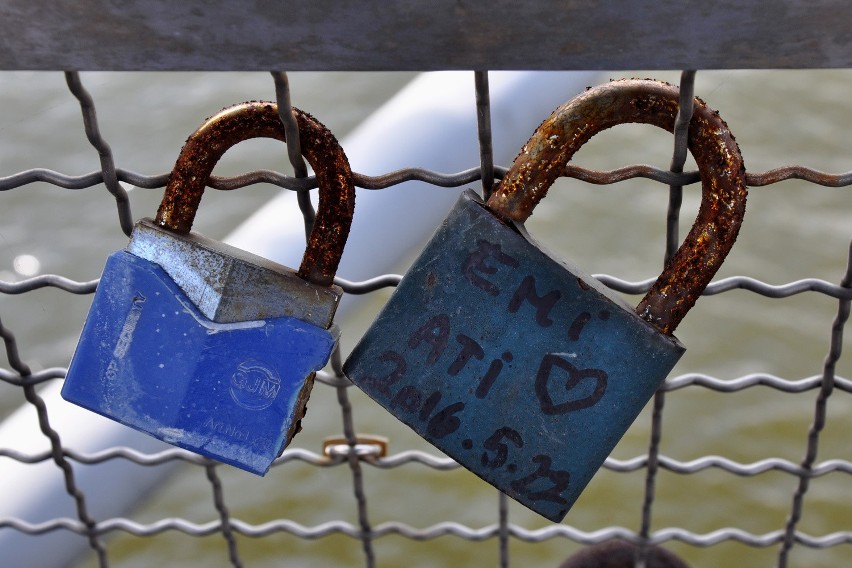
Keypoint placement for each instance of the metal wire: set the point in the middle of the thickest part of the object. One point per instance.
(294, 147)
(93, 133)
(483, 121)
(224, 514)
(486, 162)
(88, 523)
(391, 280)
(826, 389)
(681, 129)
(358, 463)
(726, 535)
(353, 459)
(438, 179)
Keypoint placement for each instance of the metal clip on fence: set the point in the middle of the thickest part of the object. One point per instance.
(365, 446)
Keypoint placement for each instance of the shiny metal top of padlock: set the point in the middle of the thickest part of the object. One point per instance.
(228, 284)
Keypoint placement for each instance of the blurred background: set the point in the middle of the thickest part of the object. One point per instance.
(793, 230)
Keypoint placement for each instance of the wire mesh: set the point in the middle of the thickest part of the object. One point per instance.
(360, 457)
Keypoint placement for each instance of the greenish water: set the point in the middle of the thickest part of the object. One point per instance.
(793, 230)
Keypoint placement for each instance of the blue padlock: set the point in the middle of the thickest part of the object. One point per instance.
(206, 346)
(521, 367)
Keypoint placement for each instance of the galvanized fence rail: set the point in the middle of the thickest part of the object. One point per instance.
(357, 456)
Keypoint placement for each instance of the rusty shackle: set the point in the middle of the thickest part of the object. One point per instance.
(723, 189)
(259, 119)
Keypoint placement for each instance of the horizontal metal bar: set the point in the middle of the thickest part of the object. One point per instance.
(415, 35)
(384, 181)
(727, 534)
(439, 463)
(391, 280)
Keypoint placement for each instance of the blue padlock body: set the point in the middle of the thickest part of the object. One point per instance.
(149, 359)
(521, 368)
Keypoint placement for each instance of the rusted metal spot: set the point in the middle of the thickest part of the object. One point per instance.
(259, 119)
(545, 156)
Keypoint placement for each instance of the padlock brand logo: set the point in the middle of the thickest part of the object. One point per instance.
(255, 385)
(225, 429)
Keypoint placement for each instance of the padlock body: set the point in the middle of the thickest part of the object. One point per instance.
(520, 367)
(232, 391)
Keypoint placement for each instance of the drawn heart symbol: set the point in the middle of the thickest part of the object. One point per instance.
(575, 378)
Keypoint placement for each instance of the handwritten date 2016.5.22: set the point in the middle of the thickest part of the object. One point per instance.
(435, 336)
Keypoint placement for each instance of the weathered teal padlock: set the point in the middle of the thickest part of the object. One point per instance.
(519, 366)
(205, 346)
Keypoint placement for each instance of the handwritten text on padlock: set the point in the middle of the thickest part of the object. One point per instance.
(436, 337)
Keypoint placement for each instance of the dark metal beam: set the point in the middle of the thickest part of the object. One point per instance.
(423, 34)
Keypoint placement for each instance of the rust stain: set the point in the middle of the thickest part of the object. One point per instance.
(720, 164)
(259, 119)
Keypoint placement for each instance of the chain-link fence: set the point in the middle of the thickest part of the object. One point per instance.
(662, 494)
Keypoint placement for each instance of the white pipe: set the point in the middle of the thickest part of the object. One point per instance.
(430, 123)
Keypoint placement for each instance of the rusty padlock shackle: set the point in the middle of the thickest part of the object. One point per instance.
(259, 119)
(720, 164)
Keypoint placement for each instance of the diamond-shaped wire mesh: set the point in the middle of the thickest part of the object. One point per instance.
(740, 459)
